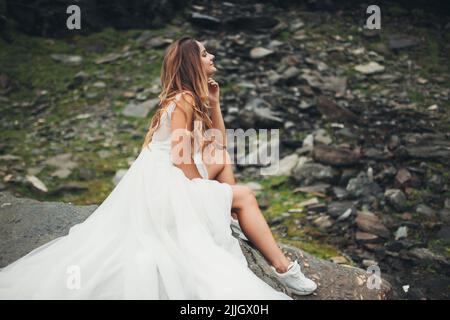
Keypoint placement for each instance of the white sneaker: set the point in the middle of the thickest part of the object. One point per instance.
(235, 226)
(295, 280)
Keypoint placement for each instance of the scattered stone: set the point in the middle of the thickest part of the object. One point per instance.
(309, 173)
(157, 43)
(140, 110)
(63, 163)
(205, 21)
(369, 68)
(309, 202)
(318, 189)
(323, 222)
(403, 176)
(337, 208)
(308, 142)
(396, 198)
(259, 52)
(103, 154)
(402, 232)
(317, 208)
(425, 210)
(111, 57)
(334, 112)
(287, 164)
(36, 183)
(345, 215)
(10, 157)
(369, 222)
(258, 112)
(368, 263)
(290, 73)
(362, 186)
(321, 137)
(433, 107)
(400, 41)
(366, 237)
(427, 255)
(68, 59)
(71, 188)
(86, 174)
(334, 156)
(339, 260)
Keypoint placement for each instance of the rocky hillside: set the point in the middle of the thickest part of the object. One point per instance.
(363, 119)
(26, 224)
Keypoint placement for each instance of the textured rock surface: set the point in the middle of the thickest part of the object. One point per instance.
(26, 224)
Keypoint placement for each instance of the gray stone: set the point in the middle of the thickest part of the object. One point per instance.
(337, 208)
(362, 186)
(68, 59)
(402, 232)
(334, 112)
(64, 164)
(204, 20)
(111, 57)
(427, 256)
(287, 164)
(425, 210)
(290, 73)
(309, 173)
(396, 198)
(321, 188)
(36, 184)
(400, 41)
(369, 68)
(258, 112)
(323, 222)
(369, 222)
(333, 156)
(322, 137)
(366, 237)
(140, 110)
(403, 176)
(259, 52)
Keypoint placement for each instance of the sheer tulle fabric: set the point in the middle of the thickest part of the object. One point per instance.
(158, 235)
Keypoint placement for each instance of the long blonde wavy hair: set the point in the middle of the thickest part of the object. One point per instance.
(182, 70)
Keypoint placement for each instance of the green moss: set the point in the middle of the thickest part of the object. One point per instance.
(284, 36)
(319, 250)
(279, 192)
(416, 96)
(440, 246)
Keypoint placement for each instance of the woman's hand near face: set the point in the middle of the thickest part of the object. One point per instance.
(214, 92)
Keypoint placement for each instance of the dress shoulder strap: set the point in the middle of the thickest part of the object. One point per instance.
(172, 105)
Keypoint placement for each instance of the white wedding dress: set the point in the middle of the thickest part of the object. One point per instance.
(158, 235)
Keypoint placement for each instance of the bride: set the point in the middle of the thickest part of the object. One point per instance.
(164, 231)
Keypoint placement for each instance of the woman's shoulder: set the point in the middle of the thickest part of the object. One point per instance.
(185, 96)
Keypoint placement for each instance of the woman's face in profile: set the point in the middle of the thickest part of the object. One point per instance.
(207, 60)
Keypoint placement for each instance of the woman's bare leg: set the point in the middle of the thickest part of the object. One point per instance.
(256, 229)
(246, 210)
(225, 174)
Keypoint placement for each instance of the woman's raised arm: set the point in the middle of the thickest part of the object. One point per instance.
(181, 128)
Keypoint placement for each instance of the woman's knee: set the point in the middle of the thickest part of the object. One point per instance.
(242, 196)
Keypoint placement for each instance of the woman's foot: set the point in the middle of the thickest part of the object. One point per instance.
(295, 280)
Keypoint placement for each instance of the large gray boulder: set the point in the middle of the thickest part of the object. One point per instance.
(26, 224)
